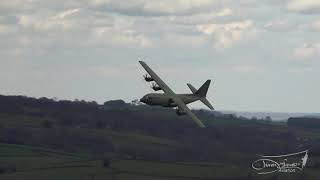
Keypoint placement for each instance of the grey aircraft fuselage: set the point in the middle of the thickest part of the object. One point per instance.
(165, 101)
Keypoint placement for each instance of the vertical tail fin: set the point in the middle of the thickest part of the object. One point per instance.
(202, 92)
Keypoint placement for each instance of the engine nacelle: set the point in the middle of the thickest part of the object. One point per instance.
(156, 87)
(148, 78)
(180, 113)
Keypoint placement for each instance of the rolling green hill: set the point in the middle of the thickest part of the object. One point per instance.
(47, 139)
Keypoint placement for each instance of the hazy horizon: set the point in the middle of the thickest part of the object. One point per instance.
(249, 114)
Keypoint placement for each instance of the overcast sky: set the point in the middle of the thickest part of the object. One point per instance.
(262, 55)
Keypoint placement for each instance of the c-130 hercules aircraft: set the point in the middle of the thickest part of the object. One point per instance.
(171, 99)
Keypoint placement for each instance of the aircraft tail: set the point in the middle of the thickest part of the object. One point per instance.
(202, 93)
(207, 103)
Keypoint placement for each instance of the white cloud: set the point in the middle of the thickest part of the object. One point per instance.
(300, 70)
(278, 25)
(225, 12)
(176, 6)
(154, 7)
(121, 37)
(312, 26)
(77, 34)
(26, 21)
(124, 71)
(307, 51)
(16, 5)
(225, 35)
(4, 29)
(244, 68)
(99, 2)
(66, 13)
(304, 6)
(181, 40)
(121, 32)
(202, 17)
(315, 26)
(87, 27)
(49, 22)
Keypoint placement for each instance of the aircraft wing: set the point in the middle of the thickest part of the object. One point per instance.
(157, 79)
(181, 105)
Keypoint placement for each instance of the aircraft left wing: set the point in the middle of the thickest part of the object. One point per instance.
(181, 105)
(157, 79)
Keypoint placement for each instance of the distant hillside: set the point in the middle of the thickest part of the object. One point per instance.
(304, 122)
(146, 136)
(151, 132)
(275, 116)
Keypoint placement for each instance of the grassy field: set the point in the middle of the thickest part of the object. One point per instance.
(34, 163)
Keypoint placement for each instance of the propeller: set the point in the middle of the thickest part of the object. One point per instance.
(144, 84)
(155, 87)
(148, 78)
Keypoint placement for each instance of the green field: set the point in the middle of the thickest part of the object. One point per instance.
(34, 163)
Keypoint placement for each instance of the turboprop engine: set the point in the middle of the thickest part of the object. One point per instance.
(148, 78)
(155, 87)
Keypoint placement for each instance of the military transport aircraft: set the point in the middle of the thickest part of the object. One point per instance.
(171, 99)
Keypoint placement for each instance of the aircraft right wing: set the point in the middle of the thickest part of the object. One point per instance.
(182, 106)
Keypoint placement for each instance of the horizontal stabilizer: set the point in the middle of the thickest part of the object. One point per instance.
(207, 103)
(193, 90)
